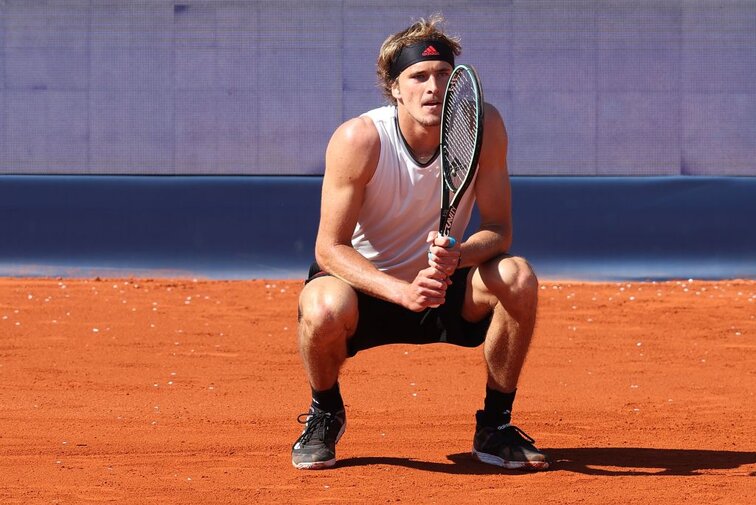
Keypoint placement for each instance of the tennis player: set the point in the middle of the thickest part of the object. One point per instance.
(382, 275)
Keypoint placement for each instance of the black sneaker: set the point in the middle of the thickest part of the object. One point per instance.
(316, 446)
(507, 446)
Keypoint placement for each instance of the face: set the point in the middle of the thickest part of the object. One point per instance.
(419, 91)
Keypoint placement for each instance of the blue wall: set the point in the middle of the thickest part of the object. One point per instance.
(626, 87)
(593, 228)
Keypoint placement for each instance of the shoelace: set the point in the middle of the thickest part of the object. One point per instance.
(313, 421)
(517, 431)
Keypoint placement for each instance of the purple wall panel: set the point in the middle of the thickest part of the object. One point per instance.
(628, 87)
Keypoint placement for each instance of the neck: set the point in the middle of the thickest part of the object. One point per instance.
(422, 140)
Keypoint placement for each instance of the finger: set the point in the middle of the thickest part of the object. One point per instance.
(432, 256)
(445, 241)
(435, 285)
(437, 258)
(441, 263)
(446, 262)
(438, 273)
(435, 302)
(430, 297)
(438, 267)
(443, 257)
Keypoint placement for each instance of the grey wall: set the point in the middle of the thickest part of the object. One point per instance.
(626, 87)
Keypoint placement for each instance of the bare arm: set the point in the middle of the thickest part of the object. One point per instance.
(351, 160)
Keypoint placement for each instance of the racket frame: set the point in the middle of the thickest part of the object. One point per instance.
(449, 204)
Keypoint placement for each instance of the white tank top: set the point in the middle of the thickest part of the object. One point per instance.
(402, 204)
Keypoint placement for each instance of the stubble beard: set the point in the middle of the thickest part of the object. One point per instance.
(434, 121)
(428, 120)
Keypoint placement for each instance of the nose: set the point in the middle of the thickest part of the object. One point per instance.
(434, 84)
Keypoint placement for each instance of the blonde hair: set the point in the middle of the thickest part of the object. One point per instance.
(421, 30)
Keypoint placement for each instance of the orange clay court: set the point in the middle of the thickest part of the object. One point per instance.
(185, 391)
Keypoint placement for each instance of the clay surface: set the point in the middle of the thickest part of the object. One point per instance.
(181, 391)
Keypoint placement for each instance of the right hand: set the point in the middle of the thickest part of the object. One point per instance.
(428, 289)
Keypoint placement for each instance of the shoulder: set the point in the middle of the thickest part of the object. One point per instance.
(493, 119)
(494, 132)
(358, 134)
(354, 150)
(493, 153)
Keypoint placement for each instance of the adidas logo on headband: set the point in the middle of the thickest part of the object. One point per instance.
(430, 51)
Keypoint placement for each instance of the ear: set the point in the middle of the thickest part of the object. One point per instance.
(395, 90)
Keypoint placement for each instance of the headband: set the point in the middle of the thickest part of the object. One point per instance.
(427, 50)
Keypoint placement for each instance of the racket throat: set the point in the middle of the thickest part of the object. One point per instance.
(447, 218)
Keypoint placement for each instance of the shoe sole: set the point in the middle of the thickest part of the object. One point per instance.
(509, 465)
(315, 465)
(319, 465)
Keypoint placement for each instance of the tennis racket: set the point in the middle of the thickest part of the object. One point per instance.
(461, 138)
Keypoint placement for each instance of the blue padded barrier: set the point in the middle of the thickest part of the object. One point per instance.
(218, 227)
(233, 227)
(637, 228)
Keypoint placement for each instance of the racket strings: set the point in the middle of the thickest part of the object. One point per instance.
(461, 130)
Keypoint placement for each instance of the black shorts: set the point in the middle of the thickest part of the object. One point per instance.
(381, 322)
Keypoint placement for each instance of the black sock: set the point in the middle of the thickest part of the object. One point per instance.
(328, 400)
(497, 408)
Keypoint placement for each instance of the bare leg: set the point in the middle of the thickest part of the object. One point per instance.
(328, 316)
(510, 286)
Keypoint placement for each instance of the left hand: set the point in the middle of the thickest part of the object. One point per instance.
(443, 253)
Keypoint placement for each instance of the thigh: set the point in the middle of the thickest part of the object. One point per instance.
(383, 323)
(495, 281)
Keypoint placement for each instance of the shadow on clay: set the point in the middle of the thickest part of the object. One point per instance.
(607, 461)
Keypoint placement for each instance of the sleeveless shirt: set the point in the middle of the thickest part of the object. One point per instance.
(402, 204)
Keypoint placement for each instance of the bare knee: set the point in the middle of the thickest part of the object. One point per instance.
(514, 283)
(326, 315)
(522, 280)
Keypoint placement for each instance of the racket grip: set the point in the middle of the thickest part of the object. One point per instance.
(452, 241)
